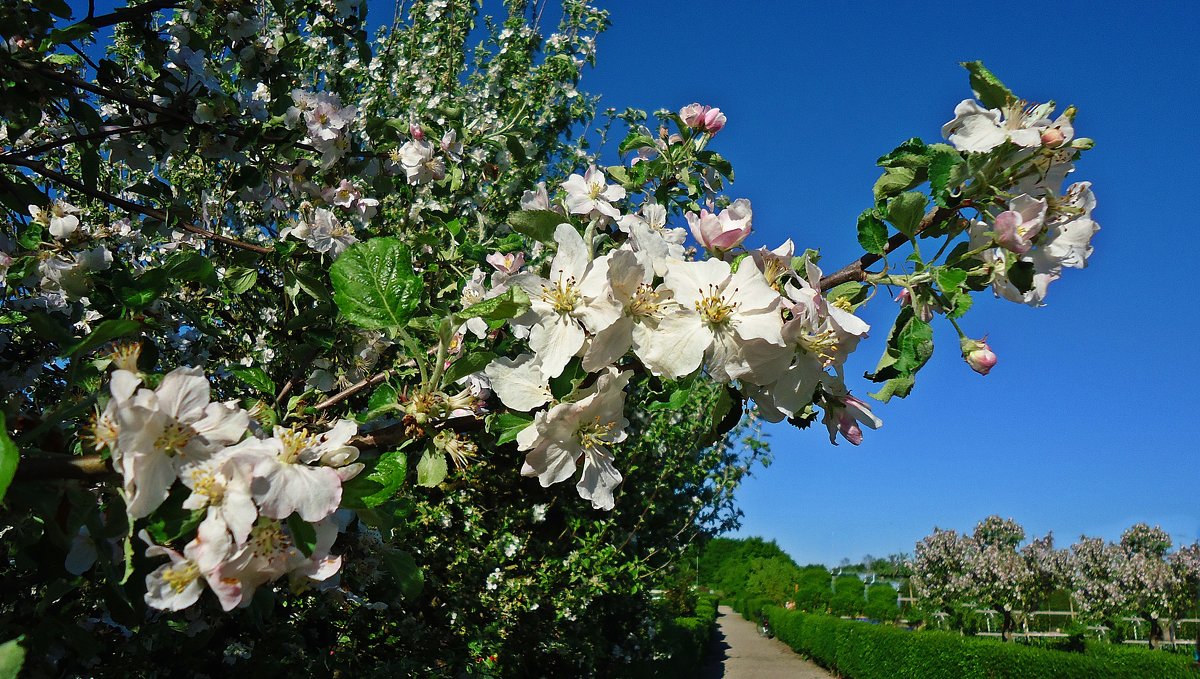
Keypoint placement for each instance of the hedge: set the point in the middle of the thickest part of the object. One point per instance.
(685, 640)
(860, 650)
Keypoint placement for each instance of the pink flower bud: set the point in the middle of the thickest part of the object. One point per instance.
(508, 263)
(713, 120)
(1052, 137)
(703, 118)
(723, 231)
(416, 132)
(691, 114)
(978, 355)
(904, 298)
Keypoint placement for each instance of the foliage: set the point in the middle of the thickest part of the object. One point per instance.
(249, 328)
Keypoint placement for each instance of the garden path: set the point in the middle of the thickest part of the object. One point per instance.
(738, 652)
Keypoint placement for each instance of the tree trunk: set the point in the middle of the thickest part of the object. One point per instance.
(1155, 632)
(1006, 624)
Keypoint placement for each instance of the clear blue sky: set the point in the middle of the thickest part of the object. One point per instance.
(1089, 423)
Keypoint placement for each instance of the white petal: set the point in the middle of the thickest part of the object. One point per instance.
(519, 382)
(555, 340)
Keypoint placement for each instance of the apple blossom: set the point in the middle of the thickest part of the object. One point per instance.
(508, 263)
(978, 355)
(977, 129)
(703, 118)
(285, 480)
(723, 231)
(1017, 226)
(591, 195)
(61, 218)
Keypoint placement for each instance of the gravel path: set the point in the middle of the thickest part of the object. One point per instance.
(738, 652)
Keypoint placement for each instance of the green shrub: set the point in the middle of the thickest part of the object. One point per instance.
(865, 651)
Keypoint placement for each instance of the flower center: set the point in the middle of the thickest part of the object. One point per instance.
(295, 442)
(179, 576)
(102, 431)
(267, 538)
(714, 308)
(174, 437)
(594, 434)
(594, 190)
(206, 483)
(823, 345)
(644, 303)
(563, 295)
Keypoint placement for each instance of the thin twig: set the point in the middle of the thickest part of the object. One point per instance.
(354, 389)
(857, 271)
(111, 132)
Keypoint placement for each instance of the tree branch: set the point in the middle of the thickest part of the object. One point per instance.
(129, 13)
(354, 389)
(50, 467)
(131, 206)
(857, 271)
(102, 134)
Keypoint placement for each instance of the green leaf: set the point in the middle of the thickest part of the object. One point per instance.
(949, 279)
(850, 294)
(1021, 275)
(633, 142)
(916, 346)
(910, 154)
(191, 266)
(9, 456)
(872, 233)
(717, 162)
(947, 171)
(385, 395)
(239, 279)
(569, 379)
(960, 304)
(988, 89)
(105, 332)
(254, 376)
(366, 491)
(906, 210)
(506, 426)
(374, 285)
(512, 303)
(893, 181)
(467, 364)
(304, 535)
(12, 658)
(431, 470)
(31, 236)
(171, 521)
(910, 346)
(537, 224)
(897, 386)
(677, 400)
(404, 570)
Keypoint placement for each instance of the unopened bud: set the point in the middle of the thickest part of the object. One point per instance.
(416, 131)
(1083, 144)
(978, 355)
(1052, 137)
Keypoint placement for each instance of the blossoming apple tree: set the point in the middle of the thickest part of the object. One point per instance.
(282, 303)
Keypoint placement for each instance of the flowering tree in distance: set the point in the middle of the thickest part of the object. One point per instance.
(288, 313)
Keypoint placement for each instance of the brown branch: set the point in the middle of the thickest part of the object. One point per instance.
(354, 389)
(102, 134)
(68, 79)
(131, 206)
(129, 13)
(857, 271)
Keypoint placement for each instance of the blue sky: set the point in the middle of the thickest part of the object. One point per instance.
(1088, 423)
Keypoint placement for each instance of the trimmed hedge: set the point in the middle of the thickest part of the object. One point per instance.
(864, 651)
(686, 642)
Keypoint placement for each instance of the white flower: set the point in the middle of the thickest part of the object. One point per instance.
(271, 552)
(420, 167)
(1017, 226)
(60, 218)
(176, 585)
(161, 431)
(591, 195)
(537, 199)
(222, 485)
(561, 436)
(575, 297)
(323, 232)
(284, 479)
(737, 324)
(520, 382)
(722, 231)
(977, 129)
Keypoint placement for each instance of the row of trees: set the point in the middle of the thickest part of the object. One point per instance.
(995, 568)
(756, 569)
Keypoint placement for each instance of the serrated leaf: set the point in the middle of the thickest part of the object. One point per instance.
(677, 400)
(103, 333)
(239, 279)
(897, 386)
(9, 457)
(906, 210)
(916, 346)
(988, 89)
(374, 284)
(633, 142)
(872, 233)
(910, 154)
(432, 469)
(506, 426)
(949, 279)
(537, 224)
(946, 172)
(893, 181)
(369, 490)
(254, 376)
(304, 535)
(191, 266)
(404, 571)
(960, 304)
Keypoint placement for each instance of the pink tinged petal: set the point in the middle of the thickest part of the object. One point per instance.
(555, 340)
(183, 394)
(599, 479)
(850, 429)
(1008, 235)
